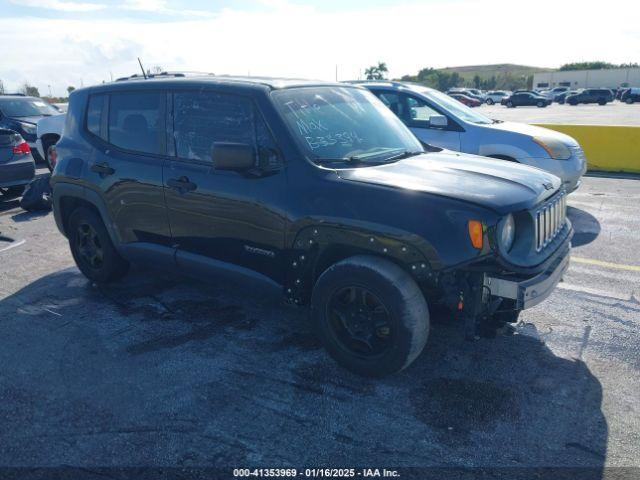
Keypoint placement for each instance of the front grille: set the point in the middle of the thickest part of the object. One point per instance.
(549, 221)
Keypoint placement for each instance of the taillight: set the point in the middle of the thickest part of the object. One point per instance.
(21, 149)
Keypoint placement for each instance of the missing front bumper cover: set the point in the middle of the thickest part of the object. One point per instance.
(528, 292)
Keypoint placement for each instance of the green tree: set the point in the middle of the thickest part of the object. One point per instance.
(597, 65)
(377, 72)
(476, 81)
(29, 90)
(70, 89)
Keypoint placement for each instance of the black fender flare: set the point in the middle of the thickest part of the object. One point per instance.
(316, 247)
(64, 190)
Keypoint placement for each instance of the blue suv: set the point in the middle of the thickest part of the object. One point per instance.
(315, 187)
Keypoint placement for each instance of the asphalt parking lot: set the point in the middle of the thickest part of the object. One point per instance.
(615, 113)
(160, 370)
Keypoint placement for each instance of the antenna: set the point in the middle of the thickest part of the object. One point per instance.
(142, 68)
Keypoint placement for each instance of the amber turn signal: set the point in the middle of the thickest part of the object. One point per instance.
(475, 233)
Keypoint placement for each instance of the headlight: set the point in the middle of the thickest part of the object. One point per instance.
(29, 128)
(507, 232)
(555, 148)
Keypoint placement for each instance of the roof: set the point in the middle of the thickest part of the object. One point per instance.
(273, 83)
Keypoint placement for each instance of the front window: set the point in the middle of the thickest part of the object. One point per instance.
(26, 107)
(454, 107)
(344, 124)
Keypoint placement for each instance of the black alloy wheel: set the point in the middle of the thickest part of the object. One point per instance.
(359, 321)
(89, 246)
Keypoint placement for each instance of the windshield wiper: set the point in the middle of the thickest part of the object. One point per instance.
(400, 156)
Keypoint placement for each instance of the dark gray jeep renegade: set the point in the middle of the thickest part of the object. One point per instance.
(317, 187)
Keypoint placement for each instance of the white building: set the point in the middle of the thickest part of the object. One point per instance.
(609, 78)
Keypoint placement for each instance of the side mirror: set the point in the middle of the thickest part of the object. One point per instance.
(438, 121)
(233, 156)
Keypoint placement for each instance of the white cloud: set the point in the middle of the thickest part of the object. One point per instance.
(301, 41)
(60, 5)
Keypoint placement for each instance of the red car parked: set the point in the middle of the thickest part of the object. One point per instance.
(468, 101)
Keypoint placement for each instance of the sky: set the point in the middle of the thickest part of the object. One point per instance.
(56, 43)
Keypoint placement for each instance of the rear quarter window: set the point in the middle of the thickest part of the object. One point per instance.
(95, 111)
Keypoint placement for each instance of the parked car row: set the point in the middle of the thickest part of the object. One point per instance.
(544, 98)
(339, 193)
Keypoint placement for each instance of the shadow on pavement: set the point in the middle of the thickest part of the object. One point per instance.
(585, 225)
(159, 370)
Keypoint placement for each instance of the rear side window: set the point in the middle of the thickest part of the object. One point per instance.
(136, 121)
(202, 118)
(95, 111)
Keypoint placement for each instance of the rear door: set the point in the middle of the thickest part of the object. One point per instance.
(415, 112)
(229, 216)
(128, 131)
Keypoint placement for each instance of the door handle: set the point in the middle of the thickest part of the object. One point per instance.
(103, 169)
(181, 184)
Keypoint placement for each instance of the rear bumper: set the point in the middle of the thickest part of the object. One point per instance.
(528, 292)
(17, 172)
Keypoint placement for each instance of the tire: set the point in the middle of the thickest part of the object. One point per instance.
(490, 101)
(374, 290)
(540, 104)
(92, 249)
(628, 101)
(510, 104)
(46, 146)
(602, 102)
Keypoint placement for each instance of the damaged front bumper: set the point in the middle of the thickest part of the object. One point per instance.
(528, 292)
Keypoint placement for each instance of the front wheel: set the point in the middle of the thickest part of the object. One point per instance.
(490, 101)
(510, 104)
(628, 101)
(540, 104)
(370, 315)
(92, 249)
(49, 154)
(602, 102)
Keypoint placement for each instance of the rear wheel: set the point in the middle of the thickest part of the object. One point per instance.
(629, 101)
(490, 101)
(92, 249)
(370, 315)
(602, 102)
(540, 104)
(510, 104)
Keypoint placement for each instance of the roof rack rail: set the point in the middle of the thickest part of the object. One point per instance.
(138, 76)
(13, 94)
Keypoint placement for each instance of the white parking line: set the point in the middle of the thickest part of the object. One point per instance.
(595, 291)
(13, 245)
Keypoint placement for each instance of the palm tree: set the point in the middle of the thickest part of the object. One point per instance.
(377, 72)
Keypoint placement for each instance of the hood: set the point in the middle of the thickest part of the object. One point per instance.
(33, 119)
(496, 184)
(532, 131)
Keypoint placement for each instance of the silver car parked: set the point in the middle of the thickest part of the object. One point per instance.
(439, 120)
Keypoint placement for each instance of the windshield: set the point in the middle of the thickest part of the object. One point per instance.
(454, 107)
(25, 107)
(344, 124)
